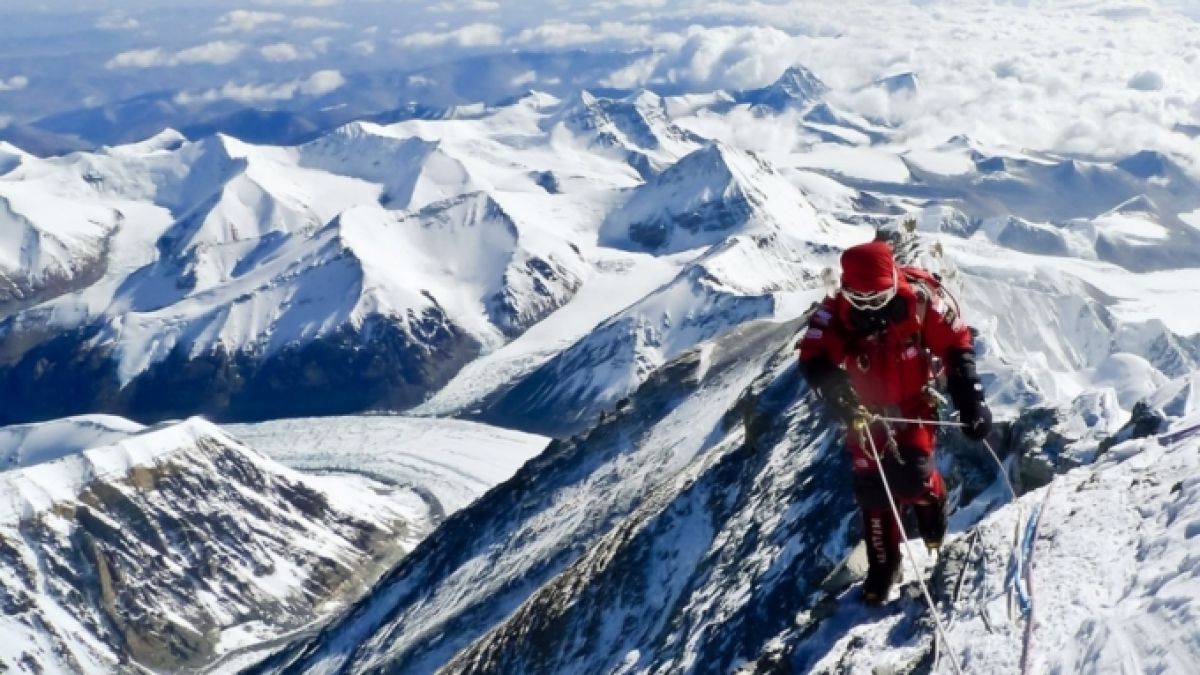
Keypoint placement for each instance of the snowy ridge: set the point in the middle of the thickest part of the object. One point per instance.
(25, 445)
(635, 129)
(719, 559)
(414, 172)
(708, 195)
(459, 585)
(731, 284)
(1112, 574)
(42, 252)
(174, 547)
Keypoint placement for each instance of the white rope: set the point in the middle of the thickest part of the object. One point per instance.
(1017, 555)
(946, 423)
(1003, 469)
(908, 550)
(1027, 639)
(906, 420)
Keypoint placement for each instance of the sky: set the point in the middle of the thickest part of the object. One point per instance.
(1087, 76)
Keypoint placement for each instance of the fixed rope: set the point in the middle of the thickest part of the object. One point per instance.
(1020, 581)
(959, 425)
(941, 629)
(1027, 638)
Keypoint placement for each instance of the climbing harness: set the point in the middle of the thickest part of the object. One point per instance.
(908, 550)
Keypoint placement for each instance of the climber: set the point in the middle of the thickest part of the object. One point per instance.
(869, 350)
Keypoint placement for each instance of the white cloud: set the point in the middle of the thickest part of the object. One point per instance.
(420, 81)
(318, 84)
(472, 35)
(298, 3)
(139, 58)
(524, 78)
(322, 82)
(717, 58)
(282, 52)
(564, 33)
(14, 83)
(215, 53)
(321, 44)
(634, 75)
(245, 20)
(1147, 80)
(310, 22)
(363, 47)
(1032, 75)
(609, 5)
(116, 21)
(467, 6)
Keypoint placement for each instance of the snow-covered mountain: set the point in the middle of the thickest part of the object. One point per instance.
(175, 547)
(797, 87)
(258, 269)
(380, 260)
(691, 529)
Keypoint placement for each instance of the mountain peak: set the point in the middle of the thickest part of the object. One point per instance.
(797, 86)
(11, 157)
(166, 140)
(1146, 164)
(799, 81)
(702, 199)
(900, 82)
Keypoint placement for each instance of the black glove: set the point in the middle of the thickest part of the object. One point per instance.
(976, 418)
(841, 400)
(832, 385)
(967, 393)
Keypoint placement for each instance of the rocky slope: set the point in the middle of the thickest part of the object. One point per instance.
(175, 547)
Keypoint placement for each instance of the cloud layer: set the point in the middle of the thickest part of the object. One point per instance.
(1092, 76)
(220, 52)
(318, 84)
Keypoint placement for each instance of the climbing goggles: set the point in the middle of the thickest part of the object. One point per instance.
(872, 301)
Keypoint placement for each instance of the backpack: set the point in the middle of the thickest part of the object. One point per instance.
(929, 290)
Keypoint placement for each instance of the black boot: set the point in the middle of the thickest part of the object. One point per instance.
(931, 523)
(879, 581)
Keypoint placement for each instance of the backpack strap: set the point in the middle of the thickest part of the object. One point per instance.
(925, 286)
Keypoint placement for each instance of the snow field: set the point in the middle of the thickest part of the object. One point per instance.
(445, 463)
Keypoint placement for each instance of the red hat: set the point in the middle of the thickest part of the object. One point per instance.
(868, 268)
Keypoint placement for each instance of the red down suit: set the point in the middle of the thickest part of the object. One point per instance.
(891, 369)
(884, 364)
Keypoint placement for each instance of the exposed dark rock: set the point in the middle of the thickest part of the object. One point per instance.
(378, 365)
(130, 556)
